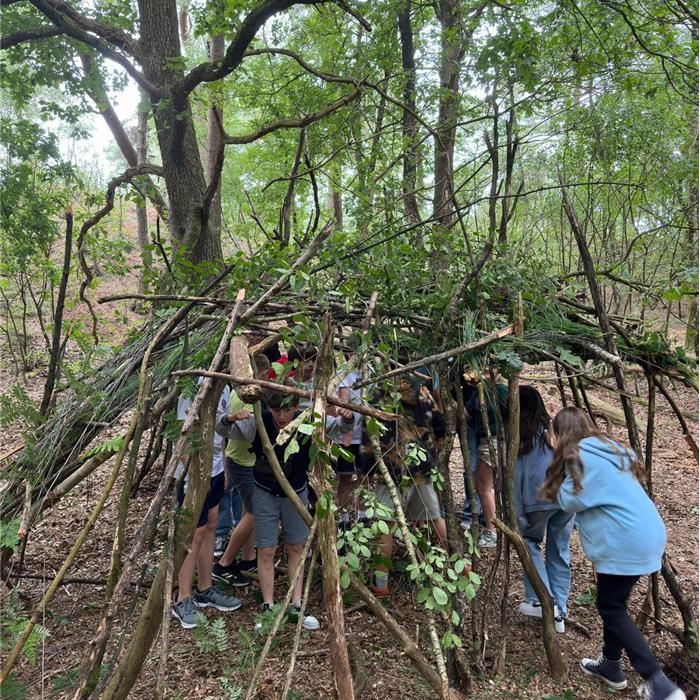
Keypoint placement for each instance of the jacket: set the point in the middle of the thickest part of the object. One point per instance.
(620, 529)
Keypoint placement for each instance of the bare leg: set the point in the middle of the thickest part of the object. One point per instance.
(205, 556)
(484, 487)
(240, 537)
(266, 573)
(441, 531)
(293, 556)
(249, 548)
(184, 576)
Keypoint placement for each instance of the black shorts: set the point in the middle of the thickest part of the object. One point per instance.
(360, 465)
(216, 490)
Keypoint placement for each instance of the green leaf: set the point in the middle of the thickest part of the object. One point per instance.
(291, 449)
(440, 596)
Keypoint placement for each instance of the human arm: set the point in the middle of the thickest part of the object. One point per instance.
(239, 425)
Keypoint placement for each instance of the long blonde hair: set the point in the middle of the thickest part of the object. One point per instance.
(570, 426)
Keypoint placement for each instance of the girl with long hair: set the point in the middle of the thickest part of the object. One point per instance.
(621, 532)
(541, 521)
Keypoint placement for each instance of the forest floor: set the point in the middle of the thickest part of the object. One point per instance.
(196, 673)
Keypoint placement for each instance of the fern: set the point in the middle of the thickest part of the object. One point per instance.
(211, 637)
(16, 405)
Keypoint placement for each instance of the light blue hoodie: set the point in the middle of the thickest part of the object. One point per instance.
(620, 529)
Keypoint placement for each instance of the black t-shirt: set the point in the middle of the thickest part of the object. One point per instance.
(295, 468)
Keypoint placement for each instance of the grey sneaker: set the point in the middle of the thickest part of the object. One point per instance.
(609, 671)
(309, 623)
(487, 540)
(186, 612)
(659, 687)
(216, 598)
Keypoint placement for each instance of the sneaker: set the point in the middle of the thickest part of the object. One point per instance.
(248, 566)
(659, 687)
(215, 598)
(264, 607)
(220, 546)
(380, 592)
(487, 540)
(559, 625)
(230, 574)
(607, 670)
(186, 612)
(531, 608)
(465, 524)
(309, 622)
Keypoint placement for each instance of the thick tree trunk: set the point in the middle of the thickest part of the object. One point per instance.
(182, 166)
(452, 51)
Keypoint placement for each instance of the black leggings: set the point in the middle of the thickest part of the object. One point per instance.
(619, 630)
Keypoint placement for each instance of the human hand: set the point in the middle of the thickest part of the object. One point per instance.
(241, 414)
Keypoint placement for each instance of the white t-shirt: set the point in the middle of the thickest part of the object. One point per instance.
(217, 464)
(355, 397)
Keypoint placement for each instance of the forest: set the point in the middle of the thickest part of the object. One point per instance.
(438, 199)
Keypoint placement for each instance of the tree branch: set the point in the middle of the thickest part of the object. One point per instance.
(295, 123)
(72, 28)
(7, 42)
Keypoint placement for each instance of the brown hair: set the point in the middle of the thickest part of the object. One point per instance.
(570, 426)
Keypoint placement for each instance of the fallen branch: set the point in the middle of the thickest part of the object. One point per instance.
(433, 359)
(290, 391)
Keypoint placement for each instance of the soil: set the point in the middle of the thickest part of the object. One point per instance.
(195, 673)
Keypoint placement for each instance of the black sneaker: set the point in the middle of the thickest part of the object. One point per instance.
(659, 687)
(606, 669)
(247, 566)
(230, 574)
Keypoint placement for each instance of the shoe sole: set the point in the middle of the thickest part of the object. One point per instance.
(219, 607)
(311, 628)
(611, 684)
(185, 625)
(229, 582)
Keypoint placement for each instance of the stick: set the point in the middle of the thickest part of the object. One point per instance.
(297, 633)
(433, 359)
(250, 693)
(364, 409)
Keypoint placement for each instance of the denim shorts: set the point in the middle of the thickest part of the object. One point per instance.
(243, 479)
(270, 511)
(216, 490)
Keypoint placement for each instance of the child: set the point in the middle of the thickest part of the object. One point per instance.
(270, 504)
(537, 517)
(240, 461)
(415, 433)
(496, 398)
(201, 554)
(621, 533)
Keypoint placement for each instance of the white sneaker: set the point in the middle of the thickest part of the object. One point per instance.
(532, 608)
(310, 623)
(487, 540)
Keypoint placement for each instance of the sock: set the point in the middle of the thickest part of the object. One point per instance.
(381, 579)
(344, 517)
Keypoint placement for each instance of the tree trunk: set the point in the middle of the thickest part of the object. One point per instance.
(452, 51)
(408, 119)
(141, 211)
(182, 166)
(215, 120)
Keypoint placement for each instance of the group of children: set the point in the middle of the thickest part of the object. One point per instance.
(567, 471)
